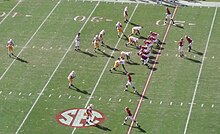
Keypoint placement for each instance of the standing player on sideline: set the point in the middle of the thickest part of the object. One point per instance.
(10, 46)
(119, 29)
(89, 113)
(129, 116)
(101, 36)
(129, 82)
(77, 41)
(181, 43)
(70, 78)
(190, 41)
(126, 14)
(168, 17)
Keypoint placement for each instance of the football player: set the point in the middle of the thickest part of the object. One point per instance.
(10, 46)
(96, 43)
(126, 14)
(119, 29)
(129, 82)
(70, 78)
(129, 116)
(168, 17)
(101, 36)
(118, 62)
(154, 34)
(89, 113)
(136, 30)
(132, 40)
(181, 44)
(190, 41)
(77, 41)
(126, 54)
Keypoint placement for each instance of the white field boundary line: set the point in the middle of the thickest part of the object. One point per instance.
(149, 76)
(30, 39)
(200, 71)
(10, 11)
(97, 83)
(35, 102)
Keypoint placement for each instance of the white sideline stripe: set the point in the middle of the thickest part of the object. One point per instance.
(107, 62)
(35, 102)
(51, 75)
(200, 70)
(30, 39)
(10, 11)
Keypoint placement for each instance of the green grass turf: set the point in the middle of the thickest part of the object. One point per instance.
(173, 81)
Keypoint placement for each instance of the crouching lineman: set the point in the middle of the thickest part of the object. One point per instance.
(119, 28)
(70, 78)
(144, 53)
(154, 34)
(129, 82)
(117, 63)
(101, 36)
(154, 40)
(10, 46)
(129, 116)
(127, 55)
(136, 30)
(132, 40)
(96, 43)
(89, 114)
(190, 41)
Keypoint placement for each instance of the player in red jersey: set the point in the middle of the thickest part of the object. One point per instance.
(190, 41)
(129, 82)
(168, 17)
(154, 34)
(129, 116)
(181, 44)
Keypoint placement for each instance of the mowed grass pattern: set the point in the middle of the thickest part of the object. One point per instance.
(166, 105)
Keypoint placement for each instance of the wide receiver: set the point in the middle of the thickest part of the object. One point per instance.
(129, 116)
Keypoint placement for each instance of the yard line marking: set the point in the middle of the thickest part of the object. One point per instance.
(150, 75)
(10, 11)
(108, 61)
(30, 39)
(22, 123)
(200, 70)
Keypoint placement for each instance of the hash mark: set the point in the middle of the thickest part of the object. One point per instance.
(10, 93)
(202, 105)
(110, 99)
(19, 93)
(79, 97)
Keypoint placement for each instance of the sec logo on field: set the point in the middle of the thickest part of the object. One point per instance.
(76, 118)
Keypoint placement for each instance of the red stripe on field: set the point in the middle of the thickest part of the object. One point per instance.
(149, 76)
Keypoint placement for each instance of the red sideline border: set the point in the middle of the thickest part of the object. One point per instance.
(150, 75)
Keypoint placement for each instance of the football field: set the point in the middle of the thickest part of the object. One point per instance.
(176, 95)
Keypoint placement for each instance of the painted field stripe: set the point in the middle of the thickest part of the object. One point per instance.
(149, 77)
(19, 53)
(30, 39)
(10, 11)
(35, 102)
(200, 71)
(94, 89)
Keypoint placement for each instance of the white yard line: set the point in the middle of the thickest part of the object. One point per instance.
(30, 40)
(35, 102)
(97, 83)
(10, 11)
(200, 71)
(20, 52)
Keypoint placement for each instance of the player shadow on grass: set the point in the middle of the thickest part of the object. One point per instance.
(178, 26)
(105, 54)
(193, 60)
(131, 91)
(196, 52)
(19, 59)
(142, 37)
(111, 48)
(103, 128)
(87, 53)
(124, 37)
(134, 24)
(132, 63)
(139, 128)
(79, 90)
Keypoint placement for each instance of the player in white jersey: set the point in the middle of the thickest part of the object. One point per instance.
(77, 42)
(101, 36)
(89, 113)
(136, 30)
(127, 55)
(119, 29)
(132, 40)
(70, 78)
(126, 14)
(10, 46)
